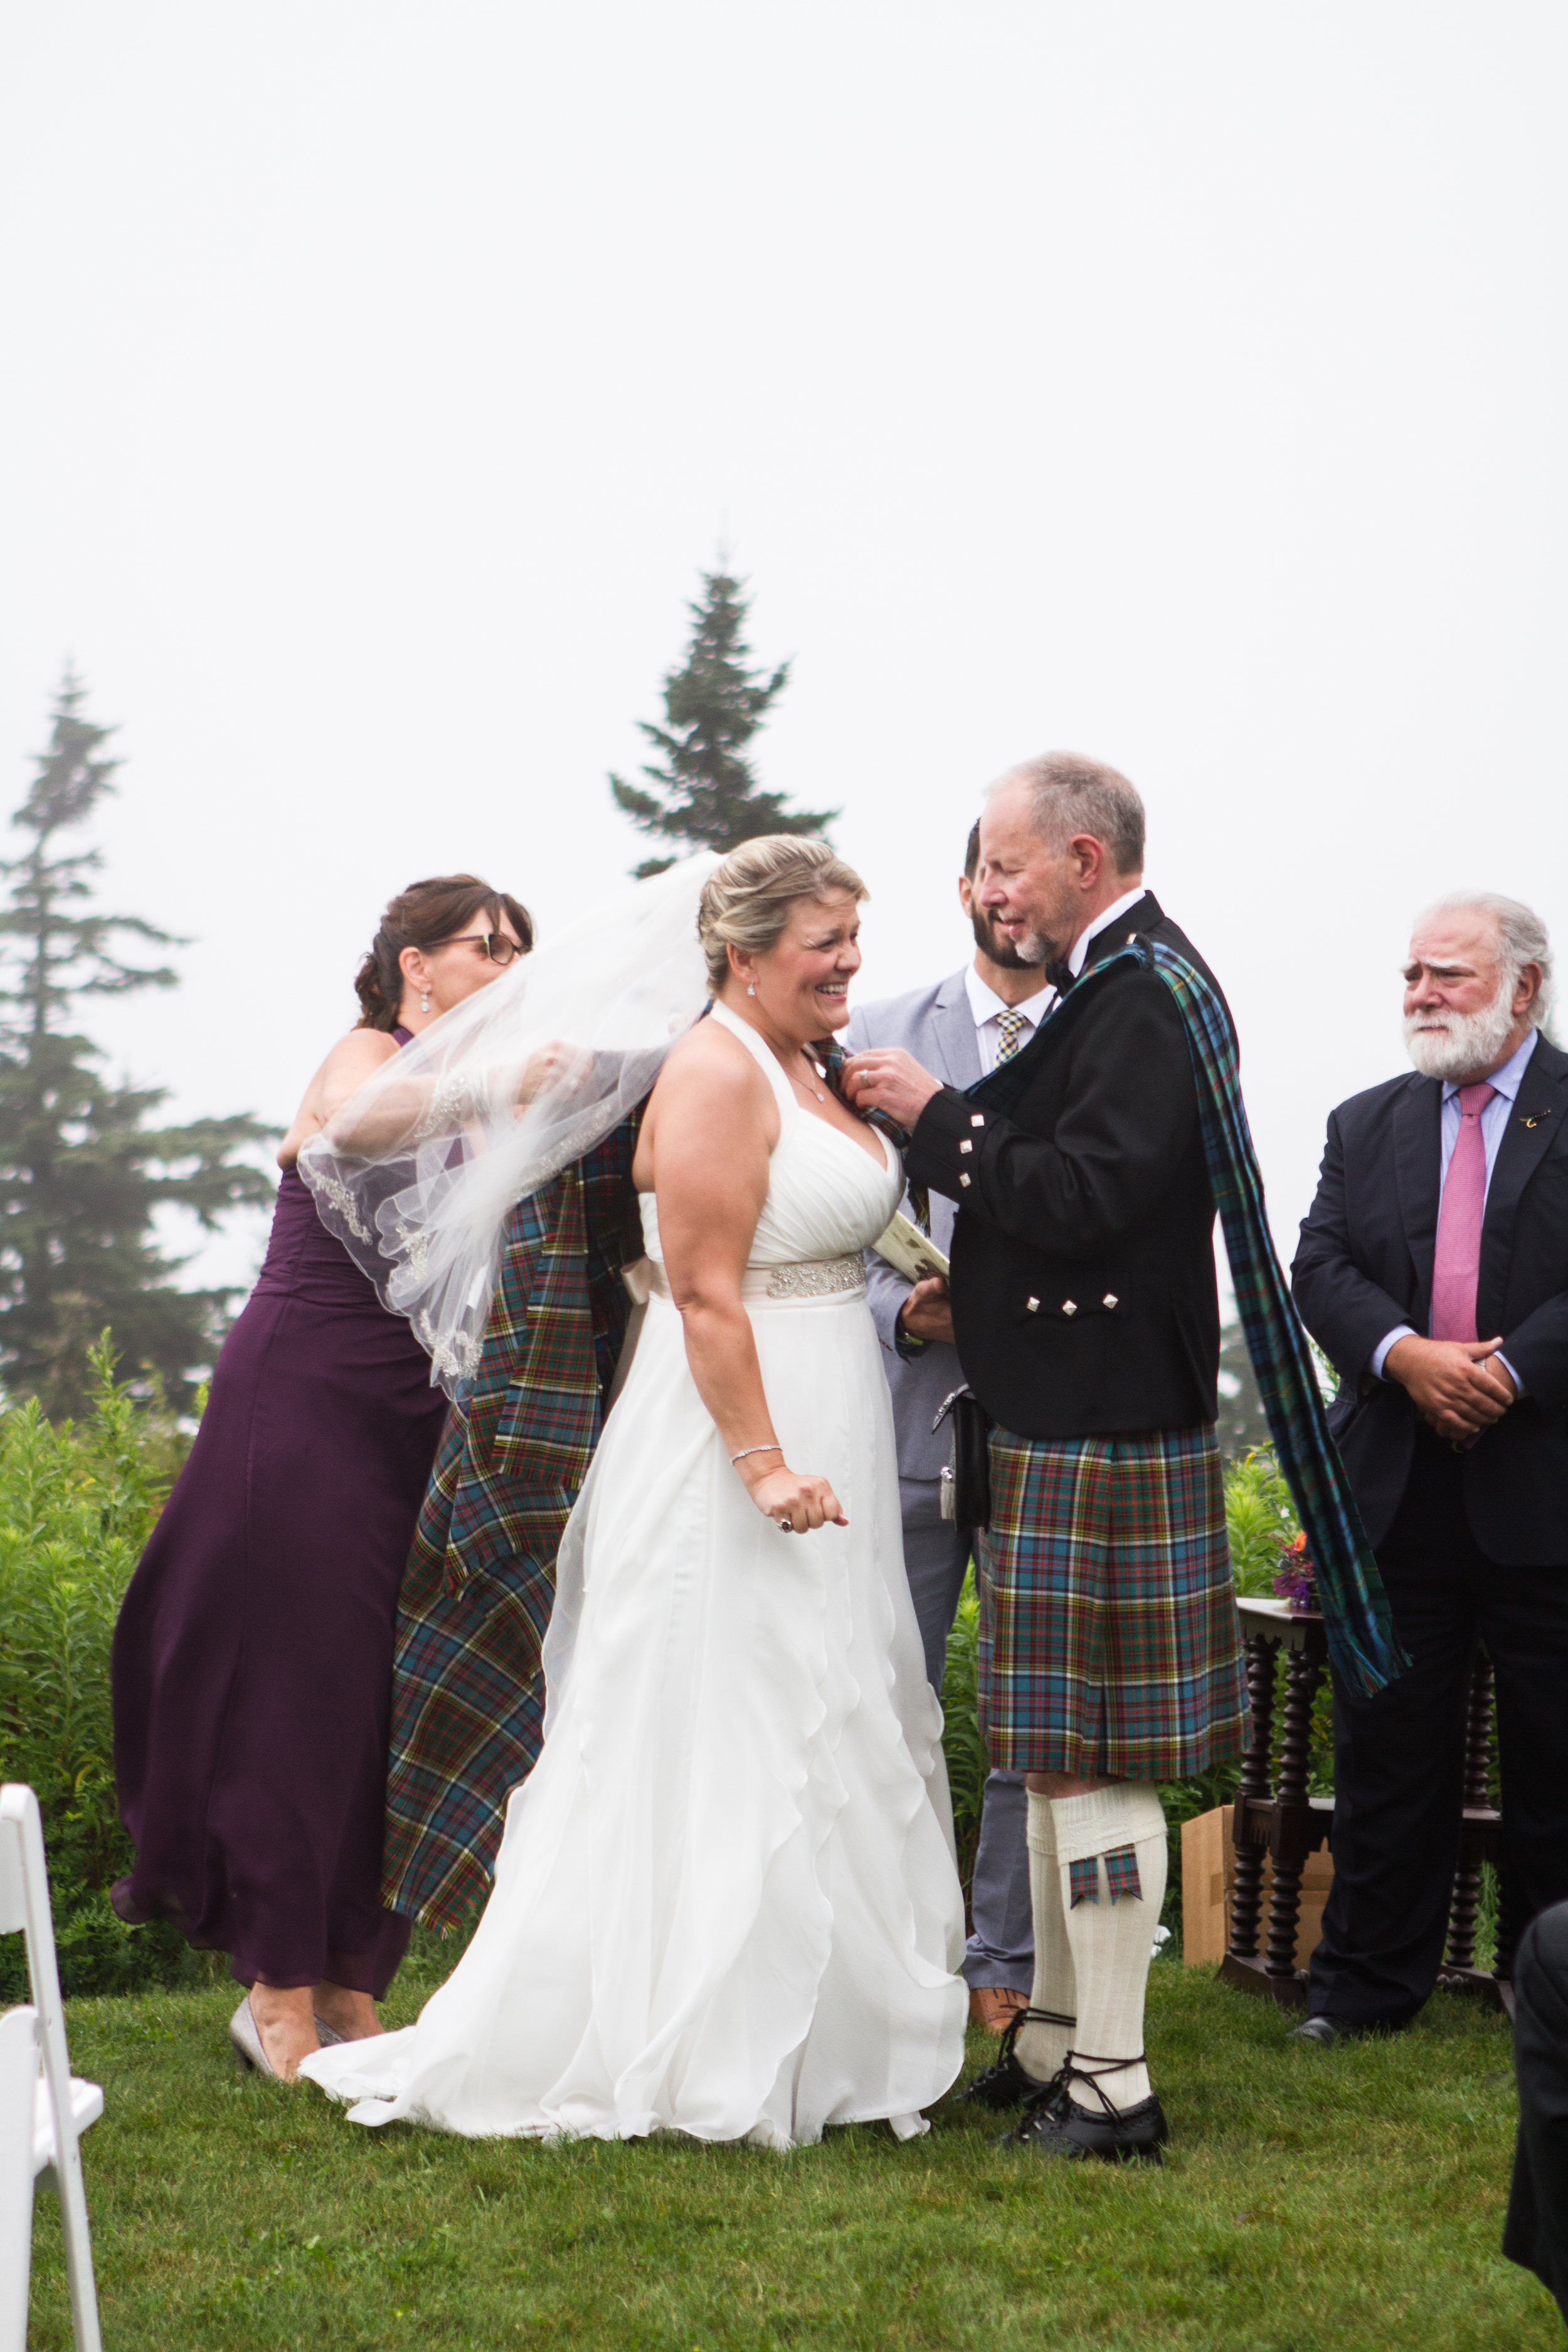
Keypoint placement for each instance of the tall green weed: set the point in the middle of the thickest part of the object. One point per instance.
(967, 1762)
(78, 1501)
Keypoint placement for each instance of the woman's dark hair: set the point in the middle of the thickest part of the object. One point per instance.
(422, 916)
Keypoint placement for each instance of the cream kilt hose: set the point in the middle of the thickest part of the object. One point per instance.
(1108, 1636)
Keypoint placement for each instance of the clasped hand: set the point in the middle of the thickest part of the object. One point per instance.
(927, 1312)
(1457, 1386)
(795, 1500)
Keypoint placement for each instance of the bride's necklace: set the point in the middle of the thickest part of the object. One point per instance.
(805, 1083)
(790, 1071)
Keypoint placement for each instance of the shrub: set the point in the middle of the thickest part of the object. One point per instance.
(77, 1500)
(1260, 1519)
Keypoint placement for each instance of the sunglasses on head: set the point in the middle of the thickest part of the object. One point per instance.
(496, 944)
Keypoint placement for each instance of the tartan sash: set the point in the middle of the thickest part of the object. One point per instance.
(1363, 1646)
(830, 1052)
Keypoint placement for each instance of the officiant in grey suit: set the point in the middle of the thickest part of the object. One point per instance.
(959, 1030)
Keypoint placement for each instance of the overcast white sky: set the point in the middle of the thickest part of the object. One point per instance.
(1184, 384)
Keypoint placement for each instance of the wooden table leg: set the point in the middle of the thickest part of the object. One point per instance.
(1509, 1932)
(1302, 1676)
(1256, 1781)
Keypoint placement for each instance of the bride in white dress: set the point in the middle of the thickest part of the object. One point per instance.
(725, 1901)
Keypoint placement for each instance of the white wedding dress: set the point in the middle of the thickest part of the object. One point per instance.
(725, 1901)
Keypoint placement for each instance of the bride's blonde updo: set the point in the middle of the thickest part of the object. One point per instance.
(746, 903)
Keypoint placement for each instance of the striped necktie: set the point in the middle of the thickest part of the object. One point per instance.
(1010, 1030)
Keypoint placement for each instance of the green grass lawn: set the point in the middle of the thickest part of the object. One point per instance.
(1311, 2199)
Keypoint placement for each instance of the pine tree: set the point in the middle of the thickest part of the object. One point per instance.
(81, 1173)
(1243, 1423)
(706, 793)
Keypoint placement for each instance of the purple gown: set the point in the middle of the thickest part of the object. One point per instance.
(253, 1657)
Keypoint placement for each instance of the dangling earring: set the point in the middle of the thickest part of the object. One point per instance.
(751, 988)
(425, 1001)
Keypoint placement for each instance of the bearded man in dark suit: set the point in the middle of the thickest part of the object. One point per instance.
(1086, 1321)
(1433, 1271)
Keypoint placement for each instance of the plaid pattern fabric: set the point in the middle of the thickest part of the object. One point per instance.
(1083, 1880)
(1363, 1646)
(468, 1691)
(1109, 1637)
(1121, 1876)
(1010, 1028)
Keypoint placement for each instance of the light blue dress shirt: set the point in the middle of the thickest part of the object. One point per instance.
(1494, 1119)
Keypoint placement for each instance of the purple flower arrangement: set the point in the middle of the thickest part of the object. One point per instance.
(1296, 1579)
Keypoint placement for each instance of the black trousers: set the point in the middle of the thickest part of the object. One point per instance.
(1536, 2232)
(1399, 1757)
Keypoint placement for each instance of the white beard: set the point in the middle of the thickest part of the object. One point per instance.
(1465, 1043)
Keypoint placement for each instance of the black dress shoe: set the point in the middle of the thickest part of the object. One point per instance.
(1057, 2126)
(1006, 2084)
(1327, 2031)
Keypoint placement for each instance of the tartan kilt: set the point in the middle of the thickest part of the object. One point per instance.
(1109, 1635)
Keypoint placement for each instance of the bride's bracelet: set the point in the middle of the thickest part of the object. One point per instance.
(754, 1449)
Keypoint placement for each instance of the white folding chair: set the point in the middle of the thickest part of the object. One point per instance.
(59, 2108)
(18, 2086)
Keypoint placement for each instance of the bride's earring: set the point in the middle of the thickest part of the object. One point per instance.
(751, 988)
(425, 1001)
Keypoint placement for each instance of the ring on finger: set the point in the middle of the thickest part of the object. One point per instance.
(787, 1527)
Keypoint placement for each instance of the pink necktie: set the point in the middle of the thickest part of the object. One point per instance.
(1456, 1264)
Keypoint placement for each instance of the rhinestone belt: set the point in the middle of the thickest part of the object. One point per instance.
(813, 1279)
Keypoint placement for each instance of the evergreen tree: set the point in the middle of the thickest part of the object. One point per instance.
(81, 1173)
(706, 793)
(1243, 1423)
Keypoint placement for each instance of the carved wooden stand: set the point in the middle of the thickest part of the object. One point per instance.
(1279, 1819)
(1480, 1840)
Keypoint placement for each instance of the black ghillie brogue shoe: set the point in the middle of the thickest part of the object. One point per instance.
(1326, 2031)
(1006, 2084)
(1056, 2126)
(1125, 2136)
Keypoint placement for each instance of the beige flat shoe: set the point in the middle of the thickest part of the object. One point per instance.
(243, 2033)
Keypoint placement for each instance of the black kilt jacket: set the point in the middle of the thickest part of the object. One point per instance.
(1365, 1264)
(1084, 1300)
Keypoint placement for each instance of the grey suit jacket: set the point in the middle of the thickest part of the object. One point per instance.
(937, 1026)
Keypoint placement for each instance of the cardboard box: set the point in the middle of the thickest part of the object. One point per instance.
(1208, 1882)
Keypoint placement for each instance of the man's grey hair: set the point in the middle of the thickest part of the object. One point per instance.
(1070, 794)
(1522, 938)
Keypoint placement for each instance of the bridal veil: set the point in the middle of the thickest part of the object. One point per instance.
(419, 1170)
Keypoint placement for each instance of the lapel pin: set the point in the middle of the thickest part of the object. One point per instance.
(1534, 1118)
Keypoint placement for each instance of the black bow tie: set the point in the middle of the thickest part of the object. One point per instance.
(1061, 977)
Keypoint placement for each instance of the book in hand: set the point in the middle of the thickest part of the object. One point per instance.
(909, 1250)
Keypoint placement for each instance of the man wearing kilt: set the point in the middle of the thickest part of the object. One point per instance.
(1086, 1321)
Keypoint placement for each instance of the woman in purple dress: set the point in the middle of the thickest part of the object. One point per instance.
(253, 1658)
